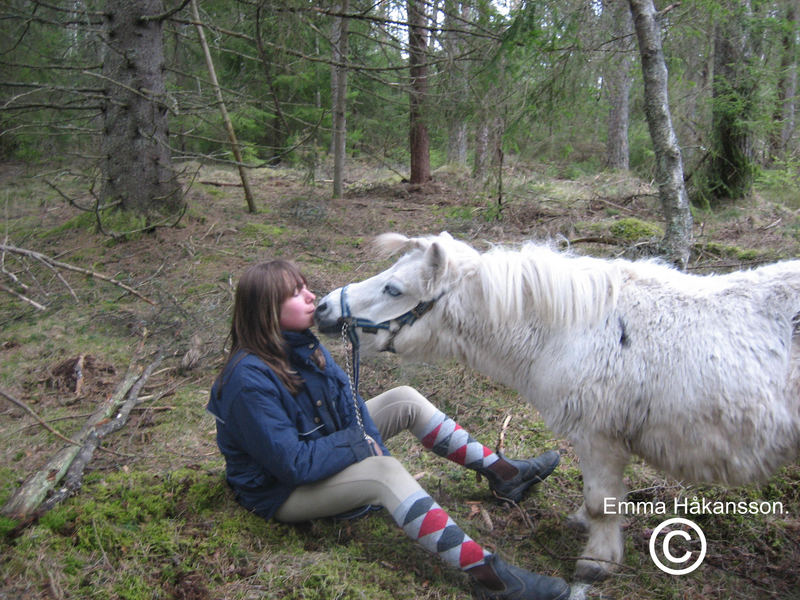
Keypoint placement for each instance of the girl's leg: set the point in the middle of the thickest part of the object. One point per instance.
(405, 408)
(383, 480)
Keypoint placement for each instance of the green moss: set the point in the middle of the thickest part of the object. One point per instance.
(6, 526)
(632, 229)
(129, 224)
(84, 221)
(734, 252)
(133, 586)
(265, 233)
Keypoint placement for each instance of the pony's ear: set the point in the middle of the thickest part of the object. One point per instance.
(388, 244)
(435, 261)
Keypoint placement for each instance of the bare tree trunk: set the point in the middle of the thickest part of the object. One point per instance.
(417, 45)
(339, 96)
(276, 136)
(136, 162)
(458, 91)
(480, 159)
(457, 143)
(212, 73)
(732, 170)
(617, 83)
(787, 86)
(669, 164)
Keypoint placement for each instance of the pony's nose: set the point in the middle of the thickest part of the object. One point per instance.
(325, 321)
(321, 310)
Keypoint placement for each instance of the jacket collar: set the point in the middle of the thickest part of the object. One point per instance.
(301, 344)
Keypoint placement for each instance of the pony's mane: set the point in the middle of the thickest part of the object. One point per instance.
(560, 289)
(557, 287)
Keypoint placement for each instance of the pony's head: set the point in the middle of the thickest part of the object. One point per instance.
(534, 287)
(392, 305)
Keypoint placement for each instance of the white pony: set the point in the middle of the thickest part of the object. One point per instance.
(698, 375)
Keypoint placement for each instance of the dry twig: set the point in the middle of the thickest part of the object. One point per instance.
(56, 264)
(501, 438)
(30, 411)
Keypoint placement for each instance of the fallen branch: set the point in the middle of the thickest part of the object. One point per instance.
(220, 183)
(53, 263)
(78, 370)
(30, 411)
(19, 296)
(73, 458)
(73, 478)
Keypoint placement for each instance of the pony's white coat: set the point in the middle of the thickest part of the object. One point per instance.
(698, 375)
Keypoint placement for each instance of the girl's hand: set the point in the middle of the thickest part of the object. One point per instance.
(376, 449)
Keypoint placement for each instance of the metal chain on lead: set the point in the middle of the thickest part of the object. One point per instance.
(350, 365)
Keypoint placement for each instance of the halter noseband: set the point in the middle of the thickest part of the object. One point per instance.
(407, 318)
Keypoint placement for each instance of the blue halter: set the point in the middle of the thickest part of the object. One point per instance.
(349, 328)
(407, 318)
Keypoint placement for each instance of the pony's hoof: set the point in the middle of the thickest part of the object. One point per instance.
(590, 571)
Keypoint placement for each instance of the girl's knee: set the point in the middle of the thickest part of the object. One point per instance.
(384, 468)
(389, 481)
(388, 472)
(406, 392)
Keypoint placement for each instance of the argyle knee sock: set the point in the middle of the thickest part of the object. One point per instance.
(445, 437)
(424, 521)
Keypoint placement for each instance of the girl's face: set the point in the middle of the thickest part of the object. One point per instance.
(297, 311)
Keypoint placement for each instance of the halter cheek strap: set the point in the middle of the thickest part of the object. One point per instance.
(353, 322)
(407, 318)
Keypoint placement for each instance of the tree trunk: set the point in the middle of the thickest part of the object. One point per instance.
(339, 96)
(732, 167)
(457, 142)
(136, 163)
(212, 73)
(480, 159)
(617, 86)
(669, 164)
(417, 45)
(277, 134)
(457, 89)
(787, 86)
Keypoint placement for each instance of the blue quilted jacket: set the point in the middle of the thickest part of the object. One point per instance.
(274, 441)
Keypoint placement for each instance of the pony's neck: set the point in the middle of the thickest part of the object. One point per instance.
(486, 345)
(513, 300)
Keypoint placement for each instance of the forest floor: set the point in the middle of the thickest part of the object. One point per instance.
(154, 518)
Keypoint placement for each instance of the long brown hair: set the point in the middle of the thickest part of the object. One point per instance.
(255, 326)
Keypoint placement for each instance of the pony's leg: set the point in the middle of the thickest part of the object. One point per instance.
(602, 465)
(578, 520)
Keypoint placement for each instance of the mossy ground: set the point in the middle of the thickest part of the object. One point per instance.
(154, 518)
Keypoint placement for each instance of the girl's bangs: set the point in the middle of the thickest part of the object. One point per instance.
(292, 280)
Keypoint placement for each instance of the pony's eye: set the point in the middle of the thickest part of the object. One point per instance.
(392, 290)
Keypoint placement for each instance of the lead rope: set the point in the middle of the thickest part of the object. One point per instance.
(351, 361)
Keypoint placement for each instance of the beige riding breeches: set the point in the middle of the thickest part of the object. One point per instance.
(377, 480)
